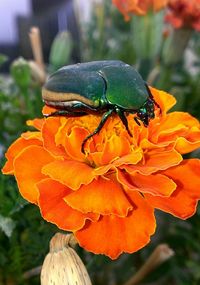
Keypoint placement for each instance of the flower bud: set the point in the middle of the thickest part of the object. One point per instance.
(60, 50)
(62, 265)
(21, 72)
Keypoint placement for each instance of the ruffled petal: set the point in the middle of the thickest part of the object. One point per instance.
(187, 176)
(112, 235)
(183, 201)
(49, 130)
(27, 170)
(70, 173)
(155, 161)
(46, 110)
(73, 143)
(132, 158)
(36, 123)
(62, 132)
(87, 123)
(32, 135)
(164, 99)
(55, 210)
(101, 196)
(155, 184)
(174, 125)
(115, 147)
(15, 149)
(188, 144)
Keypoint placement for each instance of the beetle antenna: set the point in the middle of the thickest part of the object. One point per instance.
(152, 98)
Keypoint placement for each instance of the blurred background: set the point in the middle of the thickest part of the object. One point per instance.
(162, 42)
(51, 17)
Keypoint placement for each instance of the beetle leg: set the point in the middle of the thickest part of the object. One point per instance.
(65, 113)
(100, 126)
(123, 118)
(137, 121)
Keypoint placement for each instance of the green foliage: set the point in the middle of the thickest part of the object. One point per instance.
(20, 100)
(106, 36)
(24, 235)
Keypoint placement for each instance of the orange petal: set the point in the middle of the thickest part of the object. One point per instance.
(155, 161)
(73, 143)
(49, 130)
(149, 145)
(55, 210)
(66, 135)
(112, 235)
(27, 170)
(96, 158)
(46, 110)
(186, 145)
(103, 169)
(132, 158)
(15, 149)
(164, 99)
(183, 201)
(155, 184)
(175, 124)
(71, 173)
(32, 135)
(36, 123)
(62, 131)
(101, 196)
(115, 147)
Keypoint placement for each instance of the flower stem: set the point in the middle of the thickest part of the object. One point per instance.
(36, 45)
(175, 46)
(161, 254)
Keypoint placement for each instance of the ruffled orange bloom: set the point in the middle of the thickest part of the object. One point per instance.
(138, 7)
(107, 197)
(184, 13)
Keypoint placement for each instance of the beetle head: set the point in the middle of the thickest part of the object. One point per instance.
(146, 112)
(142, 115)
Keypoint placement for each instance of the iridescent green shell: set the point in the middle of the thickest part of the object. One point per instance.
(97, 84)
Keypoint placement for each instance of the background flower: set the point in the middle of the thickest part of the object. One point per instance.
(183, 13)
(138, 7)
(108, 196)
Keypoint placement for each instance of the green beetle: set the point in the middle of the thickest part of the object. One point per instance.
(99, 87)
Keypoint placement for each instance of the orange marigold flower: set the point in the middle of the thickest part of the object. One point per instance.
(138, 7)
(184, 13)
(107, 197)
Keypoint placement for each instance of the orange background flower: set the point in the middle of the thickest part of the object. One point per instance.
(184, 13)
(138, 7)
(107, 197)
